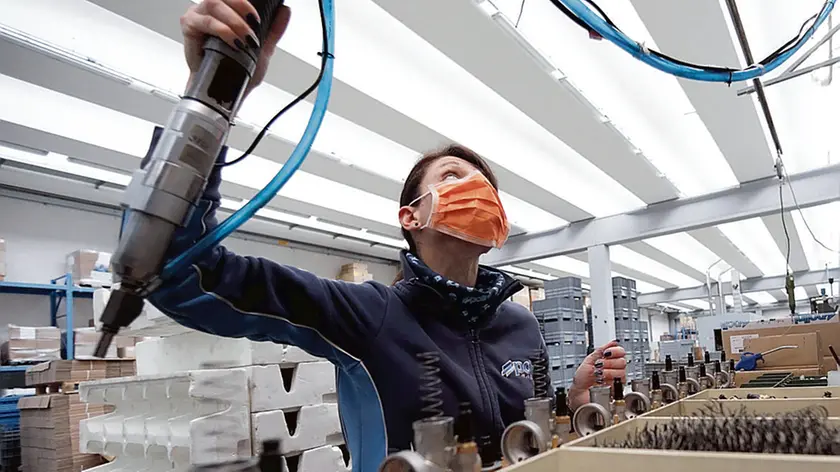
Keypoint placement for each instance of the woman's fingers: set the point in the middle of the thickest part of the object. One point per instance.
(614, 352)
(611, 374)
(224, 13)
(615, 364)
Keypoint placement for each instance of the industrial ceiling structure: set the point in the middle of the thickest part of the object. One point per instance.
(590, 146)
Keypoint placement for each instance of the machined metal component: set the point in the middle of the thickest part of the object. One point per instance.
(669, 393)
(693, 386)
(670, 377)
(562, 420)
(434, 439)
(523, 440)
(722, 379)
(641, 386)
(595, 415)
(635, 404)
(407, 461)
(533, 435)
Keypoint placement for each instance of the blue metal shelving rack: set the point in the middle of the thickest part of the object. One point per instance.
(58, 289)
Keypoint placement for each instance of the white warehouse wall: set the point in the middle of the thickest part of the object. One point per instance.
(39, 236)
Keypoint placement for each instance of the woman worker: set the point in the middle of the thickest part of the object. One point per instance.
(445, 302)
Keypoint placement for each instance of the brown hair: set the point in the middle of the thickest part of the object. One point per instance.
(411, 188)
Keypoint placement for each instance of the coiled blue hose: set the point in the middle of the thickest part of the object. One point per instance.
(225, 228)
(637, 50)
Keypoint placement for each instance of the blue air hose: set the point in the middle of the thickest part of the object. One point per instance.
(638, 51)
(225, 228)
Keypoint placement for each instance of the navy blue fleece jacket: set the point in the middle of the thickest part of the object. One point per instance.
(370, 331)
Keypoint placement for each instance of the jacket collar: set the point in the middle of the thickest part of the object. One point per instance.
(425, 300)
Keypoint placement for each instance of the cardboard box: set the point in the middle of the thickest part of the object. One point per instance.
(808, 352)
(90, 267)
(49, 432)
(829, 363)
(33, 332)
(32, 343)
(522, 297)
(356, 272)
(742, 377)
(826, 324)
(85, 340)
(537, 294)
(78, 371)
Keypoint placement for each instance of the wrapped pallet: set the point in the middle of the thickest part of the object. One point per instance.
(356, 272)
(90, 267)
(32, 344)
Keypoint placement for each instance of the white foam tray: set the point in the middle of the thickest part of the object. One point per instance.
(312, 383)
(191, 350)
(314, 426)
(194, 417)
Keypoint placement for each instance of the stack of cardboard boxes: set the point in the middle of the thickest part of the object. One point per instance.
(90, 267)
(50, 421)
(32, 344)
(356, 272)
(527, 296)
(85, 339)
(812, 334)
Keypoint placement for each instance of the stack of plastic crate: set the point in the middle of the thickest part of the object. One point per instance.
(561, 318)
(628, 326)
(9, 433)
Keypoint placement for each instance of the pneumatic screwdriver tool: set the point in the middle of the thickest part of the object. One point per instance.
(164, 192)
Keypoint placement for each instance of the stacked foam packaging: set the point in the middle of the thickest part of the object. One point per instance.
(200, 399)
(49, 433)
(356, 272)
(90, 267)
(33, 344)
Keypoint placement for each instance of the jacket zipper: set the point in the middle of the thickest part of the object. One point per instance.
(484, 382)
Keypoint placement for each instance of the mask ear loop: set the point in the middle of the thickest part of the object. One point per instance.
(434, 203)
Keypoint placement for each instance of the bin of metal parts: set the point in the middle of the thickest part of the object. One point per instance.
(804, 439)
(786, 393)
(733, 407)
(564, 287)
(786, 379)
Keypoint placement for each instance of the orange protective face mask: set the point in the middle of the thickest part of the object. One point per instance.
(468, 209)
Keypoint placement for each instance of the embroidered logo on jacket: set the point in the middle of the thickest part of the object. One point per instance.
(517, 369)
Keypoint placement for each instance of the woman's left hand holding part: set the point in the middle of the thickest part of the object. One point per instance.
(603, 364)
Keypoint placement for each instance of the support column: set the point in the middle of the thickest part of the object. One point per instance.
(601, 295)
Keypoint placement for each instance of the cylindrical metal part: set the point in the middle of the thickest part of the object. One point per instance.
(641, 386)
(467, 458)
(619, 411)
(523, 440)
(635, 404)
(670, 394)
(693, 386)
(407, 461)
(434, 439)
(656, 399)
(591, 418)
(692, 372)
(562, 427)
(601, 396)
(670, 377)
(539, 412)
(710, 381)
(722, 379)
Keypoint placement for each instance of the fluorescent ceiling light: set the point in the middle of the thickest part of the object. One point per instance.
(753, 239)
(527, 273)
(826, 231)
(529, 217)
(60, 163)
(800, 294)
(646, 106)
(76, 119)
(685, 248)
(158, 61)
(700, 304)
(314, 223)
(762, 298)
(626, 257)
(672, 307)
(430, 88)
(566, 264)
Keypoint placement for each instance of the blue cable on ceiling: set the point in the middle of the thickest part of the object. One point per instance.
(637, 50)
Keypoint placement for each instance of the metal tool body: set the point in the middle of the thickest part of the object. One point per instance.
(638, 401)
(164, 192)
(595, 415)
(533, 435)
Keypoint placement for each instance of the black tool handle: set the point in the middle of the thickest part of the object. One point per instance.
(267, 9)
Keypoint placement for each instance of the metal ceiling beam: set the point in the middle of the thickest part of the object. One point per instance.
(70, 79)
(627, 271)
(293, 75)
(798, 260)
(756, 284)
(493, 55)
(78, 191)
(37, 139)
(750, 200)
